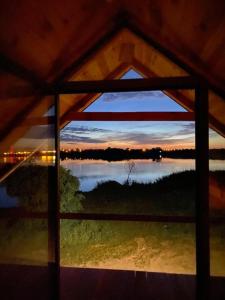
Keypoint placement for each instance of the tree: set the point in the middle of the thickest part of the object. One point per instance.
(70, 197)
(130, 167)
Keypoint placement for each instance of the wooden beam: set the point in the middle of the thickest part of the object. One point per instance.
(18, 119)
(125, 85)
(17, 92)
(37, 121)
(217, 125)
(175, 95)
(9, 66)
(118, 24)
(214, 85)
(90, 98)
(20, 213)
(53, 215)
(180, 98)
(122, 217)
(130, 116)
(202, 194)
(56, 200)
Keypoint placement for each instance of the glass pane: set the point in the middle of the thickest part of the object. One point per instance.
(134, 102)
(24, 241)
(151, 247)
(27, 170)
(24, 272)
(217, 202)
(121, 254)
(27, 162)
(141, 101)
(153, 176)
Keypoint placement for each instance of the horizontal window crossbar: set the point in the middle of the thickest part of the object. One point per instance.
(121, 217)
(125, 85)
(4, 214)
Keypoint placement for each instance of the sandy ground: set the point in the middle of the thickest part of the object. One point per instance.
(146, 259)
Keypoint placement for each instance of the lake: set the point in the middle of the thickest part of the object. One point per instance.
(90, 172)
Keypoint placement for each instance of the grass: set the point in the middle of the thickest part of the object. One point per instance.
(170, 195)
(134, 245)
(157, 247)
(23, 241)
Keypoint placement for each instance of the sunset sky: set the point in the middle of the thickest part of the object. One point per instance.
(126, 134)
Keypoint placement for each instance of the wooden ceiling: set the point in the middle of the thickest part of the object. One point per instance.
(46, 42)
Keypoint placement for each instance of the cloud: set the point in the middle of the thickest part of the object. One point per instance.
(81, 139)
(83, 134)
(112, 97)
(147, 138)
(180, 133)
(82, 130)
(186, 129)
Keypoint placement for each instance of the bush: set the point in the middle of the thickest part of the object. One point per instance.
(30, 184)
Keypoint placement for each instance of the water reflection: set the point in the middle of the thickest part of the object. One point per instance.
(90, 172)
(41, 159)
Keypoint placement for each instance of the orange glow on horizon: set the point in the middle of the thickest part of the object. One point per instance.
(121, 145)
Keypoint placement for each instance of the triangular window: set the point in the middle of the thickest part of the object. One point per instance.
(147, 101)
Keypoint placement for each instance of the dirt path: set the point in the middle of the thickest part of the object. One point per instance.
(145, 258)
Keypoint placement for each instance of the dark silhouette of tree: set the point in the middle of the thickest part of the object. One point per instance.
(130, 167)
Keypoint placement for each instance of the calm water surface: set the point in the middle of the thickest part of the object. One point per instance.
(90, 172)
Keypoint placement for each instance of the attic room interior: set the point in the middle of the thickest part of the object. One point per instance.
(112, 149)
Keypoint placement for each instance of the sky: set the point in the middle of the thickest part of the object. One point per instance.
(126, 134)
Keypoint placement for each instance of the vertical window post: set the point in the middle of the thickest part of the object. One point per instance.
(53, 214)
(202, 194)
(57, 198)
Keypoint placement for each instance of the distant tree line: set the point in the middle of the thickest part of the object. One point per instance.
(191, 153)
(116, 154)
(112, 154)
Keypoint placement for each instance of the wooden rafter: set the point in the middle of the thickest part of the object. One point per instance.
(180, 98)
(90, 98)
(213, 85)
(7, 65)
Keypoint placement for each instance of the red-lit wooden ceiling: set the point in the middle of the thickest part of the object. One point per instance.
(51, 41)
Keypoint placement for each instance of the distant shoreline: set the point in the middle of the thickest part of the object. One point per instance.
(127, 159)
(156, 154)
